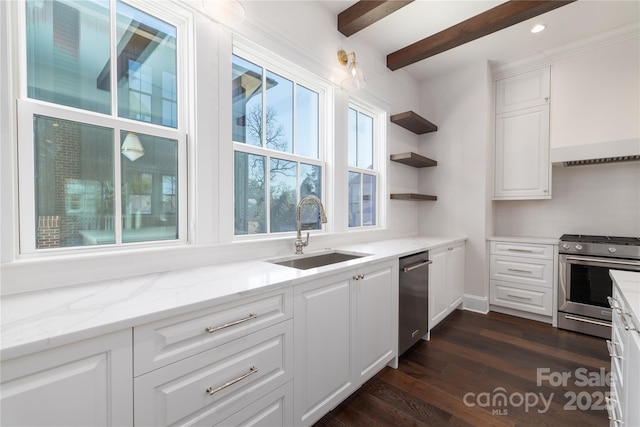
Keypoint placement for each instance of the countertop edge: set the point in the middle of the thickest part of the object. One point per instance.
(23, 335)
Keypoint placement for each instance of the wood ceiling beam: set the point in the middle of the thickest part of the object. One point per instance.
(366, 12)
(502, 16)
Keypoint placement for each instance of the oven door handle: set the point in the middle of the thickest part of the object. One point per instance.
(604, 261)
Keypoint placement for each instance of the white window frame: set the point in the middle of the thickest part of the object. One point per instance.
(288, 70)
(379, 161)
(171, 13)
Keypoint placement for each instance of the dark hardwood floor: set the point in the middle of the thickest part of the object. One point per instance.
(472, 361)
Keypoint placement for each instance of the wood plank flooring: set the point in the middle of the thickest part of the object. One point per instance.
(458, 377)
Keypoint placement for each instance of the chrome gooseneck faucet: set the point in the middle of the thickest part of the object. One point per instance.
(323, 219)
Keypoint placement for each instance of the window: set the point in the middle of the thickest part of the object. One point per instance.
(278, 153)
(363, 174)
(101, 147)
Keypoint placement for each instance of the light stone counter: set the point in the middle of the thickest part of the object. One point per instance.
(629, 284)
(39, 320)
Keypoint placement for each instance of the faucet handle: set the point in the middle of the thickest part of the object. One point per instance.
(306, 242)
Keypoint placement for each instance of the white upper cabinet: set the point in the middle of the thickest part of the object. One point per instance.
(522, 166)
(523, 91)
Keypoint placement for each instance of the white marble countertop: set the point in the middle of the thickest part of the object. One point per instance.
(628, 283)
(35, 321)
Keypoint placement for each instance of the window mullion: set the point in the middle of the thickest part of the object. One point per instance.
(113, 63)
(267, 196)
(117, 186)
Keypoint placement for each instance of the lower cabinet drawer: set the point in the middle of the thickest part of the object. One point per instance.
(166, 341)
(533, 299)
(275, 409)
(536, 272)
(215, 384)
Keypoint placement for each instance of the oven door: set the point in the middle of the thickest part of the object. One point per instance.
(585, 284)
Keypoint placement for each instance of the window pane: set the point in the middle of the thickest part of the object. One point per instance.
(283, 196)
(354, 199)
(68, 53)
(74, 183)
(247, 102)
(279, 113)
(146, 67)
(250, 194)
(306, 122)
(368, 199)
(353, 137)
(365, 141)
(310, 184)
(146, 161)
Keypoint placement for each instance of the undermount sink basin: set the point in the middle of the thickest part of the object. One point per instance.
(302, 262)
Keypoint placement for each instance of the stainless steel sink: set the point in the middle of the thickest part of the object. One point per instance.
(320, 260)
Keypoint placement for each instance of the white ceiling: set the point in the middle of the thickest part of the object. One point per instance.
(422, 18)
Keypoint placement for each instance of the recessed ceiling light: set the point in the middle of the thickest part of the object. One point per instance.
(537, 28)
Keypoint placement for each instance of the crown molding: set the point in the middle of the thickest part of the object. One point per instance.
(545, 58)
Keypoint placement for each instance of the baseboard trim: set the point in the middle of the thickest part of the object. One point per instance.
(475, 303)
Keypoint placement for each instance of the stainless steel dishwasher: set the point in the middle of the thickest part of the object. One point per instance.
(414, 300)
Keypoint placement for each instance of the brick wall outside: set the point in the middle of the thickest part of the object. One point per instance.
(48, 232)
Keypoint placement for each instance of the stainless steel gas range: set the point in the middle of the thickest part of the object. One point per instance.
(584, 283)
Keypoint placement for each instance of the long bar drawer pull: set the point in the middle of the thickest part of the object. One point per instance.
(517, 270)
(212, 329)
(624, 322)
(611, 347)
(519, 297)
(610, 403)
(585, 320)
(520, 250)
(211, 390)
(613, 303)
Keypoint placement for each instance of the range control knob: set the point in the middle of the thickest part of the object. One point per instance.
(612, 250)
(566, 246)
(578, 247)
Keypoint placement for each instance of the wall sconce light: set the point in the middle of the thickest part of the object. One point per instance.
(132, 147)
(357, 80)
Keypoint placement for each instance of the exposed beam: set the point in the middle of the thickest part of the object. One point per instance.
(498, 18)
(366, 12)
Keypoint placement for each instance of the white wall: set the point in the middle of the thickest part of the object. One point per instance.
(460, 103)
(596, 199)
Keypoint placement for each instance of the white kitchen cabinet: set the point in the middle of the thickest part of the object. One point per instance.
(522, 279)
(212, 385)
(205, 366)
(446, 281)
(523, 91)
(376, 318)
(522, 168)
(345, 331)
(88, 383)
(624, 348)
(323, 333)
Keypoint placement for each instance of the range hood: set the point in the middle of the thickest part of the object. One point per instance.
(596, 153)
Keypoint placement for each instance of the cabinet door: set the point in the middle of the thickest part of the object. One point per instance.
(438, 293)
(632, 373)
(376, 318)
(523, 91)
(522, 168)
(322, 343)
(89, 383)
(455, 275)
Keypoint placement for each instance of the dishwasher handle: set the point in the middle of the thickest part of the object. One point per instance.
(415, 266)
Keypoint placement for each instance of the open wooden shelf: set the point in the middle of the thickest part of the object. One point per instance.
(413, 159)
(413, 196)
(413, 122)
